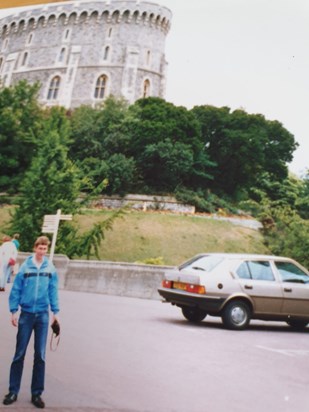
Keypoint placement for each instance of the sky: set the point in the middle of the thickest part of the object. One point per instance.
(248, 54)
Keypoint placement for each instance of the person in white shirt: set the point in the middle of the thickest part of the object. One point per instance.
(8, 256)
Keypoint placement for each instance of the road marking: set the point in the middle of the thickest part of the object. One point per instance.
(286, 352)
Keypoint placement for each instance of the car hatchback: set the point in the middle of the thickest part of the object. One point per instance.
(238, 288)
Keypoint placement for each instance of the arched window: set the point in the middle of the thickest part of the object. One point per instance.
(110, 30)
(100, 88)
(106, 53)
(24, 59)
(146, 88)
(53, 88)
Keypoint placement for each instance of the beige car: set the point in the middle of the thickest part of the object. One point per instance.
(239, 287)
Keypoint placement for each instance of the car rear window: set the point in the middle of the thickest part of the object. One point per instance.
(205, 263)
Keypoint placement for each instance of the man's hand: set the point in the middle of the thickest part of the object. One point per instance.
(55, 317)
(14, 319)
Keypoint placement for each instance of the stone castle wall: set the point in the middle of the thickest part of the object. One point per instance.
(83, 51)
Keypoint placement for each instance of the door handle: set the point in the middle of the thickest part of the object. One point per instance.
(287, 289)
(248, 287)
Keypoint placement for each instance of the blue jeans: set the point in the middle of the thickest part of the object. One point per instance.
(28, 322)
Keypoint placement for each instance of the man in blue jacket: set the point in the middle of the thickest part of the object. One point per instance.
(34, 291)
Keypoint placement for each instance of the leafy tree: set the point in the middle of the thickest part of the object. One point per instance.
(20, 120)
(120, 174)
(98, 132)
(302, 201)
(166, 164)
(243, 147)
(159, 133)
(85, 131)
(52, 181)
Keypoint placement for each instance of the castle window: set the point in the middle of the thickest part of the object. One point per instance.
(24, 59)
(100, 87)
(106, 53)
(1, 61)
(110, 32)
(62, 55)
(53, 88)
(146, 88)
(148, 57)
(5, 44)
(29, 41)
(66, 34)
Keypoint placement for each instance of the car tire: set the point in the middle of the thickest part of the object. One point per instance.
(193, 314)
(236, 315)
(297, 324)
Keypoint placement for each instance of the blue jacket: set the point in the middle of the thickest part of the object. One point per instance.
(35, 290)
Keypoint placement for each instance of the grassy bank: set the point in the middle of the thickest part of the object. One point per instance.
(173, 238)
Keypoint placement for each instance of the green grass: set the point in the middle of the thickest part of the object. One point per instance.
(139, 236)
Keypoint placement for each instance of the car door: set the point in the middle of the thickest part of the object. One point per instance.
(295, 286)
(257, 280)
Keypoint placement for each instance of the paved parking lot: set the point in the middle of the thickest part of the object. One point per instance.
(122, 354)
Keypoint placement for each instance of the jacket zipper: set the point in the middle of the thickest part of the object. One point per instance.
(36, 289)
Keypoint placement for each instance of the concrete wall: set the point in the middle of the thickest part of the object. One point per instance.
(110, 278)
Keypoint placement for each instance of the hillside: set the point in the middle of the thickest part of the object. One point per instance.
(139, 236)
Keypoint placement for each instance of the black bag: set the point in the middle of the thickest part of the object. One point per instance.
(55, 327)
(56, 334)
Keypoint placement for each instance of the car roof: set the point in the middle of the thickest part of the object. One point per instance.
(245, 256)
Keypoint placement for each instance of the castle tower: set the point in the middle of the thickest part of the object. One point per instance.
(83, 51)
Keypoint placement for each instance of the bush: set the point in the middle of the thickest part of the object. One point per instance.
(206, 202)
(287, 234)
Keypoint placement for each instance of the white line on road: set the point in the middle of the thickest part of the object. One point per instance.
(286, 352)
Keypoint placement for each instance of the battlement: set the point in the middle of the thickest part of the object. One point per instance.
(112, 12)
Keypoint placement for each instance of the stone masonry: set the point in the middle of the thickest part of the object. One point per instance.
(83, 51)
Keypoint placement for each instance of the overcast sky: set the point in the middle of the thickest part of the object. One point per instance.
(250, 54)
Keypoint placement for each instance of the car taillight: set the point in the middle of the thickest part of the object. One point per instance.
(167, 284)
(196, 289)
(187, 287)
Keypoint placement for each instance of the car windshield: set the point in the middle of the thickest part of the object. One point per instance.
(291, 273)
(204, 263)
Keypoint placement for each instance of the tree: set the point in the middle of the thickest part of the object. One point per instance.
(52, 181)
(302, 201)
(166, 164)
(20, 121)
(120, 174)
(98, 132)
(243, 147)
(163, 140)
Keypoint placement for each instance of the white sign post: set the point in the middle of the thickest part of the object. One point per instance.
(50, 225)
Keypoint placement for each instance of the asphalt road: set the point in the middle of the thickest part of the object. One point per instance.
(121, 354)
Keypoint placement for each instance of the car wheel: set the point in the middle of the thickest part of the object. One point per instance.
(236, 315)
(297, 324)
(193, 314)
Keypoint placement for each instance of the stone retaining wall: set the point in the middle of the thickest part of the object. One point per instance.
(110, 278)
(143, 202)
